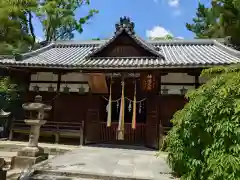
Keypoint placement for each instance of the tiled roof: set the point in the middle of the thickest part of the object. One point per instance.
(179, 53)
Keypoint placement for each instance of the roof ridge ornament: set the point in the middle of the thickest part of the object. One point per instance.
(125, 23)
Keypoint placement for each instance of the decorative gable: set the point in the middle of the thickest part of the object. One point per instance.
(125, 43)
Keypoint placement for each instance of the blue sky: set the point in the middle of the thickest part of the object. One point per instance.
(152, 17)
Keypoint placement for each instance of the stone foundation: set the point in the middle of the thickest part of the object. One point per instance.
(25, 161)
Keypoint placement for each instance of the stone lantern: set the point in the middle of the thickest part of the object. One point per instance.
(4, 122)
(33, 154)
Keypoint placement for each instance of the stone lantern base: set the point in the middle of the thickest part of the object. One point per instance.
(31, 154)
(27, 161)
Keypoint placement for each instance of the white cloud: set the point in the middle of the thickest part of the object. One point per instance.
(160, 32)
(173, 3)
(179, 37)
(157, 31)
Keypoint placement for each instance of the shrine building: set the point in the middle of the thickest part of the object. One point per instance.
(123, 90)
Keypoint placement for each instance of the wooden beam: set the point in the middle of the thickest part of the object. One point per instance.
(55, 82)
(179, 84)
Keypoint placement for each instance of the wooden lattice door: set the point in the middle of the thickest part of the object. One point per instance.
(152, 123)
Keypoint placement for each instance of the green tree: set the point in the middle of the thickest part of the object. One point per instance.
(9, 92)
(218, 21)
(58, 18)
(204, 142)
(167, 37)
(204, 22)
(228, 12)
(14, 26)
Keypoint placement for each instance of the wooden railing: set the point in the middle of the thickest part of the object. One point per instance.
(108, 134)
(51, 128)
(74, 129)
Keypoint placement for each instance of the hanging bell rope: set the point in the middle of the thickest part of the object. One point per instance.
(134, 108)
(120, 132)
(109, 115)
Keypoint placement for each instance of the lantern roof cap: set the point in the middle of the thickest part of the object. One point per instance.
(37, 105)
(4, 114)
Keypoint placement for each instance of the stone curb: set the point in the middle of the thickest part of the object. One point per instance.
(94, 175)
(51, 149)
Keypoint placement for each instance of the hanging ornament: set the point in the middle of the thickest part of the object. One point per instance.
(130, 106)
(81, 89)
(117, 105)
(107, 107)
(183, 90)
(66, 89)
(140, 107)
(165, 90)
(50, 88)
(36, 88)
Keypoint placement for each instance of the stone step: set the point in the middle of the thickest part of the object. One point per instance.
(70, 175)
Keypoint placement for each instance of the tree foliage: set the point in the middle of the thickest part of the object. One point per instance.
(14, 26)
(219, 20)
(58, 18)
(205, 18)
(167, 37)
(9, 92)
(205, 140)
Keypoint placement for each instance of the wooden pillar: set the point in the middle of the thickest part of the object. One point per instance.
(59, 82)
(92, 119)
(152, 123)
(82, 133)
(197, 81)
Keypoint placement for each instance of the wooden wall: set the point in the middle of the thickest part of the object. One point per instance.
(91, 108)
(66, 107)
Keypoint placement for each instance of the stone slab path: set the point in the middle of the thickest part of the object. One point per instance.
(111, 162)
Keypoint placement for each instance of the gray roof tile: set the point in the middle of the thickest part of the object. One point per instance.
(179, 53)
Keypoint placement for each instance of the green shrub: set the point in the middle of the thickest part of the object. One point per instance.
(204, 143)
(9, 92)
